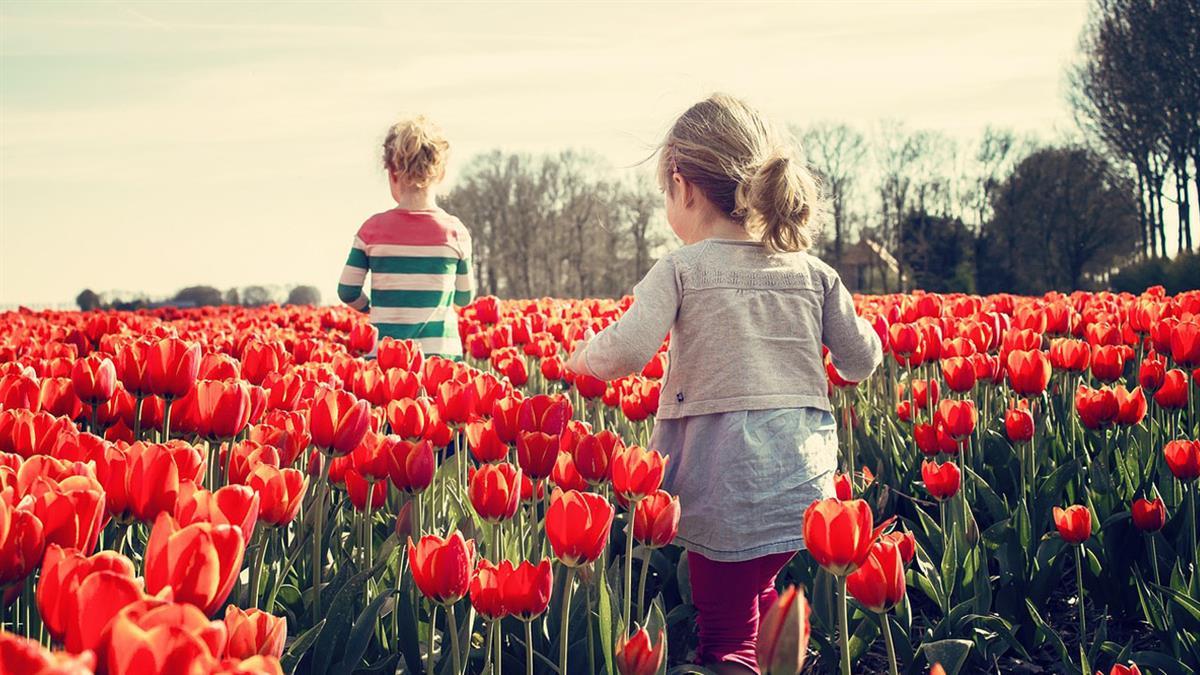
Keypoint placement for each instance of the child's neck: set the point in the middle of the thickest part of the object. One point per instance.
(415, 200)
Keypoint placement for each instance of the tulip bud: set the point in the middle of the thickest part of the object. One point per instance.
(1149, 516)
(636, 655)
(783, 636)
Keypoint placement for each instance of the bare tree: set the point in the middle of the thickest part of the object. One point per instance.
(836, 153)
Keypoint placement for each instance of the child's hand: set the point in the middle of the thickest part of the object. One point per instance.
(575, 362)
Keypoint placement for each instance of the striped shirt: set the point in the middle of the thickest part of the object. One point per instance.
(420, 264)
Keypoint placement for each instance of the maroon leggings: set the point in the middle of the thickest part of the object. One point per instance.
(730, 598)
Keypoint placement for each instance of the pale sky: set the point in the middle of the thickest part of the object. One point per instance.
(151, 146)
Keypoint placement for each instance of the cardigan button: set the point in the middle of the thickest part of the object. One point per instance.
(679, 397)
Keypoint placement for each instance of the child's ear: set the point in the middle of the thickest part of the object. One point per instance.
(688, 190)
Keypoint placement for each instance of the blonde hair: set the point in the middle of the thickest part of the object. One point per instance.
(745, 167)
(416, 151)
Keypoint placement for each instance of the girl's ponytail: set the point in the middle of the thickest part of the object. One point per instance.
(782, 197)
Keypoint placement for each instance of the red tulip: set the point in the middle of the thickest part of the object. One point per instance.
(578, 524)
(94, 378)
(637, 472)
(410, 465)
(1070, 355)
(957, 417)
(941, 480)
(235, 505)
(1018, 424)
(457, 402)
(253, 633)
(1185, 343)
(593, 455)
(495, 491)
(156, 472)
(879, 583)
(536, 453)
(281, 492)
(839, 534)
(362, 338)
(1173, 395)
(486, 446)
(1131, 405)
(441, 567)
(1097, 408)
(155, 642)
(403, 354)
(486, 590)
(77, 595)
(1121, 669)
(1151, 374)
(172, 366)
(565, 476)
(1149, 516)
(783, 633)
(656, 519)
(1074, 523)
(637, 655)
(22, 540)
(1028, 371)
(338, 422)
(22, 655)
(223, 408)
(526, 588)
(71, 510)
(926, 438)
(547, 414)
(1183, 459)
(906, 541)
(286, 431)
(200, 562)
(958, 373)
(553, 368)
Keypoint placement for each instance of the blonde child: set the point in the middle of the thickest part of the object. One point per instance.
(744, 415)
(418, 255)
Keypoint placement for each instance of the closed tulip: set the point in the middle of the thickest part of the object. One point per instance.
(1097, 408)
(637, 472)
(593, 455)
(223, 408)
(1173, 394)
(637, 655)
(411, 465)
(957, 417)
(441, 567)
(839, 534)
(578, 525)
(23, 655)
(565, 476)
(22, 541)
(242, 458)
(1185, 343)
(1028, 371)
(1151, 374)
(162, 648)
(941, 480)
(285, 431)
(235, 505)
(172, 367)
(200, 562)
(536, 453)
(156, 472)
(71, 510)
(94, 378)
(68, 607)
(656, 519)
(485, 443)
(1183, 459)
(958, 373)
(547, 414)
(281, 493)
(1018, 425)
(1149, 516)
(338, 421)
(1131, 405)
(1108, 363)
(253, 632)
(495, 491)
(906, 541)
(360, 487)
(1074, 523)
(1122, 669)
(486, 590)
(879, 583)
(783, 634)
(526, 588)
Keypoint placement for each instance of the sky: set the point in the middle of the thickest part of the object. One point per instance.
(151, 146)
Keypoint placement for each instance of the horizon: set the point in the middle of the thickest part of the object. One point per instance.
(242, 139)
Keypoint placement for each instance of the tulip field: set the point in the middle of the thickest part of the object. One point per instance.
(273, 490)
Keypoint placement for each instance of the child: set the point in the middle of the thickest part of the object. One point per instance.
(419, 256)
(744, 415)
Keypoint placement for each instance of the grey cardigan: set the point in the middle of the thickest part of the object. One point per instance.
(746, 330)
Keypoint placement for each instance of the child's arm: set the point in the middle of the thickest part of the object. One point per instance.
(464, 279)
(628, 345)
(350, 286)
(853, 345)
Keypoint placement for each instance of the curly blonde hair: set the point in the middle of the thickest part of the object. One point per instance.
(415, 151)
(745, 167)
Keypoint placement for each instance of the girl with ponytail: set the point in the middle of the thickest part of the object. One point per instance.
(744, 412)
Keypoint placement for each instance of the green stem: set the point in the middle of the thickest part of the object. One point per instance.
(887, 640)
(1082, 618)
(563, 631)
(641, 596)
(843, 626)
(452, 626)
(166, 420)
(528, 648)
(432, 631)
(137, 417)
(628, 599)
(256, 568)
(318, 534)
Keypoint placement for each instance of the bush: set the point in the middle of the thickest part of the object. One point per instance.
(1178, 275)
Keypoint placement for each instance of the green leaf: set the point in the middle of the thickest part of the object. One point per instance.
(950, 653)
(299, 646)
(409, 640)
(360, 634)
(607, 625)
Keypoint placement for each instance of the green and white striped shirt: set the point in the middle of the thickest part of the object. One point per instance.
(420, 265)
